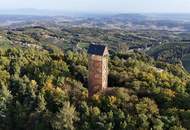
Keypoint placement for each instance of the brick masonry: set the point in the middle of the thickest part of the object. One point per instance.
(98, 73)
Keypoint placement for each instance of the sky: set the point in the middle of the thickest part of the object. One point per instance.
(101, 6)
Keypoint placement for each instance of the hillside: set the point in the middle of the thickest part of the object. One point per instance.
(167, 46)
(47, 89)
(44, 69)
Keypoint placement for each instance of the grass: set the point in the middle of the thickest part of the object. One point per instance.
(83, 45)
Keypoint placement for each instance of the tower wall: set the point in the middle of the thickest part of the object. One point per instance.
(98, 73)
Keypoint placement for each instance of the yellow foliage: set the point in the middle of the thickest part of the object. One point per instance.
(84, 94)
(58, 92)
(48, 85)
(165, 76)
(169, 92)
(33, 82)
(112, 100)
(96, 97)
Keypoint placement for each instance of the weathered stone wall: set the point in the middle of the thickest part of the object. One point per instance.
(98, 71)
(104, 72)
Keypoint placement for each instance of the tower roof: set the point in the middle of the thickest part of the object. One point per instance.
(97, 49)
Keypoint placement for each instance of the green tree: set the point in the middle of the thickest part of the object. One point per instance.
(66, 118)
(5, 102)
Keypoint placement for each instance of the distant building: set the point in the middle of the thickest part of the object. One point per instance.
(98, 68)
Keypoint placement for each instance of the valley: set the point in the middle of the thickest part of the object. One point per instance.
(162, 39)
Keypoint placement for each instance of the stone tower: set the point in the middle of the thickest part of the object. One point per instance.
(98, 68)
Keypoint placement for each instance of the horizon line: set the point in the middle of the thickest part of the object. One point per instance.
(37, 10)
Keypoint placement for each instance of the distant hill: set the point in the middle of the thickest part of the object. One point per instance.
(129, 17)
(171, 17)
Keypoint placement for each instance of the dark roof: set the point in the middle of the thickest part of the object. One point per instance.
(97, 49)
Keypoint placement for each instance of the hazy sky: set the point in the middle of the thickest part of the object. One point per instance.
(129, 6)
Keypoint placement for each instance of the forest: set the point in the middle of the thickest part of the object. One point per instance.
(44, 73)
(46, 89)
